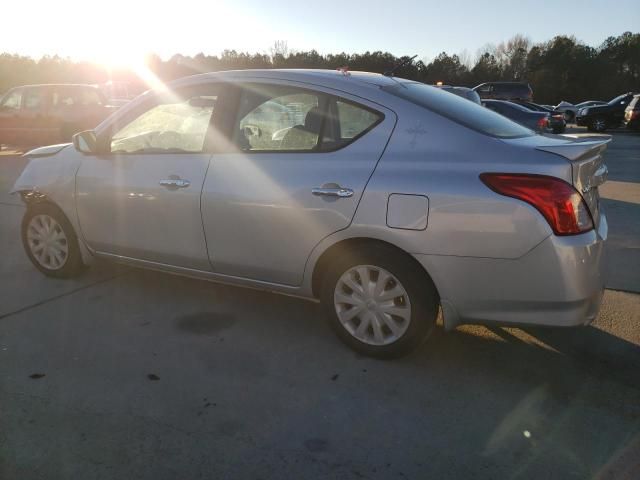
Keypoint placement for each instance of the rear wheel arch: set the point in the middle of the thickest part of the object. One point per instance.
(343, 247)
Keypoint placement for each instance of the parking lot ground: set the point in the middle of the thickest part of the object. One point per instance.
(125, 373)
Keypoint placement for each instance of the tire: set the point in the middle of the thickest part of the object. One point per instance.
(598, 124)
(417, 307)
(46, 226)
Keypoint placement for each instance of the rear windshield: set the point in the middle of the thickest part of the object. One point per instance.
(459, 110)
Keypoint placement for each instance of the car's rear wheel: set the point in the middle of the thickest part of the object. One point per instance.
(50, 242)
(598, 124)
(379, 302)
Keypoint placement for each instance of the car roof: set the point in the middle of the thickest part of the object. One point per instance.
(48, 85)
(515, 105)
(324, 77)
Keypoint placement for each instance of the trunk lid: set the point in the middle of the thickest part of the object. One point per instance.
(587, 166)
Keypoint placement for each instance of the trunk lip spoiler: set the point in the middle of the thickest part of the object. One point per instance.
(575, 150)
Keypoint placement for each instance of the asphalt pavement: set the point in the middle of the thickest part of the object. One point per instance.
(124, 373)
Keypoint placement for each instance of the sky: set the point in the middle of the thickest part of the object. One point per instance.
(119, 32)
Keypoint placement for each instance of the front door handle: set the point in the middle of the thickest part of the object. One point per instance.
(173, 183)
(333, 192)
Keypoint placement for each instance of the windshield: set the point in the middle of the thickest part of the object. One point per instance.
(459, 110)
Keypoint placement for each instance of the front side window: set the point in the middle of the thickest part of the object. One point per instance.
(171, 125)
(278, 118)
(12, 100)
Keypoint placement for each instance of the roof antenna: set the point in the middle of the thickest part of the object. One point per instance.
(389, 73)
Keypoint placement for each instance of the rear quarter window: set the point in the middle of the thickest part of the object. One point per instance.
(459, 110)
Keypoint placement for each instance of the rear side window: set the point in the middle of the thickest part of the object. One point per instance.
(12, 100)
(276, 118)
(89, 96)
(459, 110)
(33, 99)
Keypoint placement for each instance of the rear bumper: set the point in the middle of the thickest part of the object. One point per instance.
(558, 283)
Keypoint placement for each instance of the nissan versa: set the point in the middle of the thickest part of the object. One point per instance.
(383, 198)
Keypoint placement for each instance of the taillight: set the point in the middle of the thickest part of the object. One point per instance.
(542, 123)
(558, 202)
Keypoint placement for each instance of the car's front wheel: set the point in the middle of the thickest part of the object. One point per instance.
(50, 242)
(379, 302)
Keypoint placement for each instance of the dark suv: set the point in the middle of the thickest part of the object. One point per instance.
(601, 117)
(505, 91)
(45, 114)
(632, 114)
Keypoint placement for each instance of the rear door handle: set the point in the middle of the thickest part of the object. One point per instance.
(333, 192)
(173, 183)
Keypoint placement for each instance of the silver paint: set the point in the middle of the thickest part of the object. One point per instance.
(253, 219)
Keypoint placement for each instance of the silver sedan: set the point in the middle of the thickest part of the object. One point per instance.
(385, 199)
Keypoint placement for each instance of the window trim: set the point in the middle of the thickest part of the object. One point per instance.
(242, 86)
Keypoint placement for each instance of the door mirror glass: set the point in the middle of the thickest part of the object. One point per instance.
(85, 142)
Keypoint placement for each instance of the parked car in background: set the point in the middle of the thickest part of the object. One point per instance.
(632, 113)
(505, 91)
(569, 110)
(45, 114)
(557, 122)
(119, 93)
(464, 92)
(386, 200)
(600, 117)
(537, 121)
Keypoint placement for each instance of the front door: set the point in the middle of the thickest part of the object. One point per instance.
(300, 163)
(10, 117)
(142, 198)
(36, 130)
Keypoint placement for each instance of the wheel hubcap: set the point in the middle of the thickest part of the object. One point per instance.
(372, 305)
(47, 242)
(599, 124)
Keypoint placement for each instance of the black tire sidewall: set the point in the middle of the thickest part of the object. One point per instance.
(419, 287)
(73, 265)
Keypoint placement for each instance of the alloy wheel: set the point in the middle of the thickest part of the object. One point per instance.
(599, 124)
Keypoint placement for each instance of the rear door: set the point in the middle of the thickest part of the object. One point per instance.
(297, 166)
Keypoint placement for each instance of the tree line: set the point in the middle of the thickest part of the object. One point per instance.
(562, 68)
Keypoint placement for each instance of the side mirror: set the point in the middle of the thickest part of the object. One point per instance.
(86, 142)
